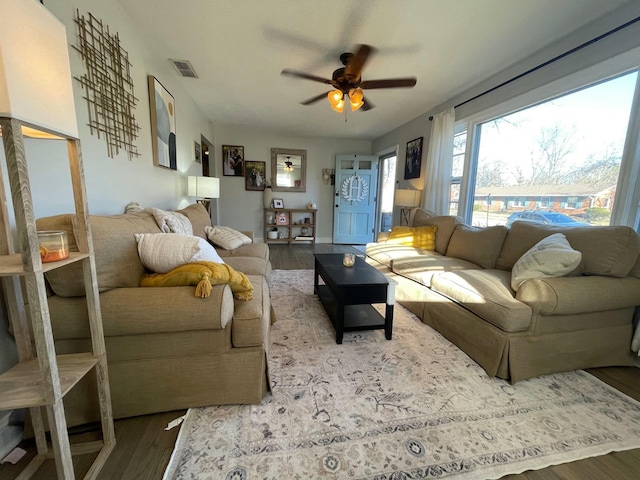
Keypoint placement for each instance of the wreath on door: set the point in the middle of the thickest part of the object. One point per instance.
(354, 188)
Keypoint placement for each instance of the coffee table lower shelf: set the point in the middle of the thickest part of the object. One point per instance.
(356, 317)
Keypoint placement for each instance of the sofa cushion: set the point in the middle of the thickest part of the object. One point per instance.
(226, 238)
(550, 257)
(161, 252)
(421, 269)
(488, 294)
(116, 252)
(606, 250)
(478, 245)
(385, 253)
(253, 250)
(445, 224)
(250, 265)
(420, 237)
(199, 218)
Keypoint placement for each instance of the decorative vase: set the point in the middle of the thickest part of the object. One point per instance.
(267, 196)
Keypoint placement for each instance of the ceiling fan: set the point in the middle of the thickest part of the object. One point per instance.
(347, 81)
(288, 165)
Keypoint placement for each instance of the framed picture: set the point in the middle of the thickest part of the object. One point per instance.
(163, 125)
(233, 160)
(282, 218)
(413, 159)
(278, 203)
(197, 152)
(254, 175)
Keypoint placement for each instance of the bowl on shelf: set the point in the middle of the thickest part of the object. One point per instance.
(54, 245)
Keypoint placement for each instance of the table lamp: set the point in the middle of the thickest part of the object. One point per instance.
(205, 187)
(406, 199)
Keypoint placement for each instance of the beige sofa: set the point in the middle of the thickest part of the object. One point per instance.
(463, 290)
(166, 348)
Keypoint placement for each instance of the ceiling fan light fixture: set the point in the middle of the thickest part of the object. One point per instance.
(336, 100)
(356, 98)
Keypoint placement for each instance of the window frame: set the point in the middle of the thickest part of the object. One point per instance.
(626, 210)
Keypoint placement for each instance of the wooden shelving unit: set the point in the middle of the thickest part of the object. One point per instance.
(42, 378)
(294, 225)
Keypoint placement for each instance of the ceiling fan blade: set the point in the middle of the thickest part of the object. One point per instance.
(389, 83)
(353, 69)
(295, 73)
(315, 99)
(367, 104)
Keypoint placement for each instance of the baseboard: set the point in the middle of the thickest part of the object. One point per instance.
(10, 435)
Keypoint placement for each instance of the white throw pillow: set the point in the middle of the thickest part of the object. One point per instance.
(550, 257)
(226, 237)
(161, 252)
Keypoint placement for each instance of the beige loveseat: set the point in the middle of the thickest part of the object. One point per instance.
(463, 290)
(166, 348)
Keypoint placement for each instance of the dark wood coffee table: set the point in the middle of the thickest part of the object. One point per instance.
(349, 292)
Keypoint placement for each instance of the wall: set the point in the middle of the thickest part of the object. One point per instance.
(113, 182)
(418, 127)
(242, 210)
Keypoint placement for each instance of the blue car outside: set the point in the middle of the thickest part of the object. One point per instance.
(552, 218)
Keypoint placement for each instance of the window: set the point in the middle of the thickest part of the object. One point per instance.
(562, 155)
(387, 186)
(459, 150)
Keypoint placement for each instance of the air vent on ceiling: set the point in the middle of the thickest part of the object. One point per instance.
(184, 68)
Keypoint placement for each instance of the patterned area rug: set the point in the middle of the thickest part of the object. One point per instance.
(412, 407)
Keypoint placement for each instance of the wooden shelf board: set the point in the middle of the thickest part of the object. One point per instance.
(12, 264)
(22, 386)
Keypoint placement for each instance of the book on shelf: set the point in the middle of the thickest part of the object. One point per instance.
(303, 237)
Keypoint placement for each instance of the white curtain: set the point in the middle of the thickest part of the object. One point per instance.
(439, 163)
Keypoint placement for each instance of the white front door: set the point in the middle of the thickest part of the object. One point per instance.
(354, 211)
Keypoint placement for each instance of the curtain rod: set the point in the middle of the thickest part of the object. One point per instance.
(548, 62)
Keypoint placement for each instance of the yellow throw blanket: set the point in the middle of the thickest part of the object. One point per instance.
(203, 275)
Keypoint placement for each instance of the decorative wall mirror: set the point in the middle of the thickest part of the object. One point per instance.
(288, 170)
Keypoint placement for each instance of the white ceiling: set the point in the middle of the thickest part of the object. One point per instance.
(239, 47)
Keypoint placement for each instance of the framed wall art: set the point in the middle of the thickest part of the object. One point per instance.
(413, 160)
(163, 125)
(197, 152)
(254, 175)
(278, 203)
(233, 160)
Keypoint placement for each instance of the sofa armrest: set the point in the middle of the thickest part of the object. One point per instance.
(567, 295)
(145, 310)
(249, 234)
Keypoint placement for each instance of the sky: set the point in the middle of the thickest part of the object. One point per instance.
(598, 115)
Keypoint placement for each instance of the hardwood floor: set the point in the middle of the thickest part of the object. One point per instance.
(143, 446)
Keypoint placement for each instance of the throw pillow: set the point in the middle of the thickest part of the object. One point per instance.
(161, 252)
(550, 257)
(226, 238)
(418, 237)
(479, 245)
(202, 275)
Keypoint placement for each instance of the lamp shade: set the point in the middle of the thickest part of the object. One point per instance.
(206, 187)
(35, 77)
(407, 198)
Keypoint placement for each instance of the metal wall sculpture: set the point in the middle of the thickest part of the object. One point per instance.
(108, 85)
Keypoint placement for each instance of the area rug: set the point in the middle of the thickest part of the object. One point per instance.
(412, 407)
